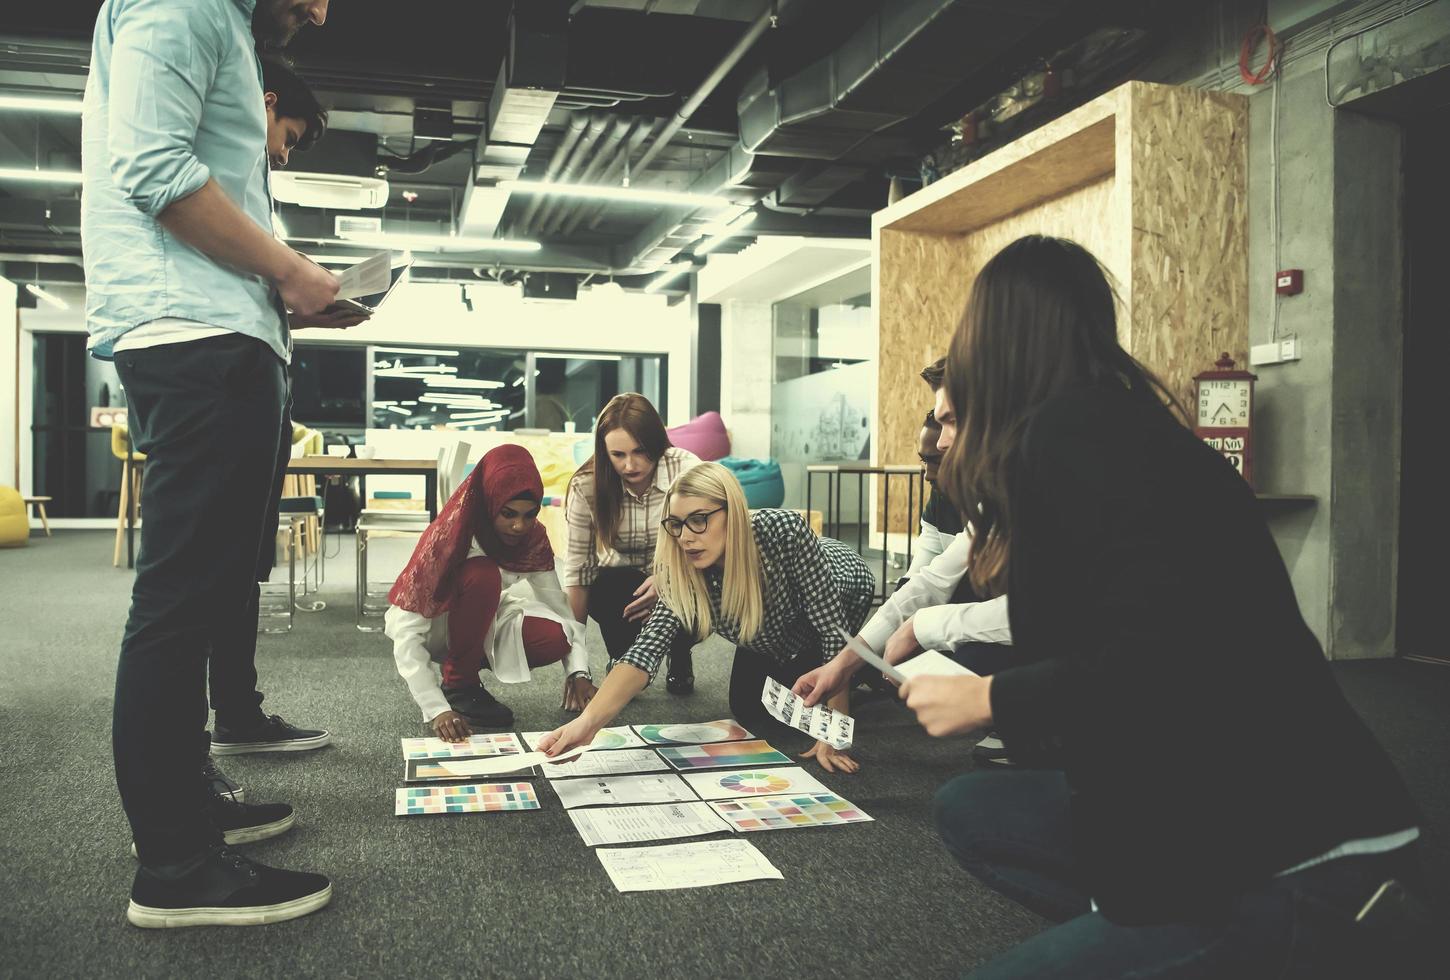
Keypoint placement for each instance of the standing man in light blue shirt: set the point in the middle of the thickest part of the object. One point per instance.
(188, 291)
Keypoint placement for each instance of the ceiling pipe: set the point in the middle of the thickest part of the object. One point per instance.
(612, 174)
(571, 137)
(604, 153)
(598, 122)
(712, 81)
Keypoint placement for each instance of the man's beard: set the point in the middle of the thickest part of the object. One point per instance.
(268, 27)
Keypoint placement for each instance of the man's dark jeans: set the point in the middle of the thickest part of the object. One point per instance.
(208, 415)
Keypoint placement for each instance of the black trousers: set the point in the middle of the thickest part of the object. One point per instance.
(233, 674)
(208, 415)
(747, 679)
(613, 589)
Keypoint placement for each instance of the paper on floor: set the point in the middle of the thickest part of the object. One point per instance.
(607, 764)
(694, 865)
(753, 782)
(934, 664)
(790, 812)
(724, 730)
(496, 743)
(504, 763)
(620, 737)
(820, 722)
(614, 790)
(475, 798)
(627, 824)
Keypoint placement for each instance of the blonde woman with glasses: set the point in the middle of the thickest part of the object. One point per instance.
(714, 567)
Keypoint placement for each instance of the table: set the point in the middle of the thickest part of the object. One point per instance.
(363, 468)
(39, 504)
(915, 503)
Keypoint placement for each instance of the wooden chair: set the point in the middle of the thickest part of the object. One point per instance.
(39, 504)
(132, 467)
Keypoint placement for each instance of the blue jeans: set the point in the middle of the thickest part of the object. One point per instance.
(1011, 830)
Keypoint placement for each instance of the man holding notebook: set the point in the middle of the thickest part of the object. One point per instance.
(188, 291)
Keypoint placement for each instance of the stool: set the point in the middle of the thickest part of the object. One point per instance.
(369, 603)
(308, 509)
(131, 467)
(272, 615)
(39, 504)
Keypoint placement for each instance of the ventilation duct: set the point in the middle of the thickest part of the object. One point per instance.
(892, 68)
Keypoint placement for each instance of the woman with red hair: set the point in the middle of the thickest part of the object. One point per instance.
(457, 601)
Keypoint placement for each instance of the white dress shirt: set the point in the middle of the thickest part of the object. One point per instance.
(940, 625)
(419, 642)
(930, 544)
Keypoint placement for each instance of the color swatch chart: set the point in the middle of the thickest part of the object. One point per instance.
(500, 743)
(723, 755)
(471, 798)
(787, 812)
(724, 730)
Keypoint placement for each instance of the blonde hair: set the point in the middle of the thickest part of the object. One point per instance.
(680, 585)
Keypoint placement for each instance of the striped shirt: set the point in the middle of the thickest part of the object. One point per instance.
(812, 585)
(639, 522)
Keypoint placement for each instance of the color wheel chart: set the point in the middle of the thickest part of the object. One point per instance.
(782, 781)
(500, 743)
(723, 755)
(788, 812)
(473, 798)
(724, 730)
(619, 737)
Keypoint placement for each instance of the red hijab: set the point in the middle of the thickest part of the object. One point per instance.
(505, 473)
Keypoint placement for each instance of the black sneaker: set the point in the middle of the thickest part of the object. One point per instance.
(479, 708)
(247, 823)
(680, 674)
(222, 888)
(992, 750)
(272, 735)
(220, 783)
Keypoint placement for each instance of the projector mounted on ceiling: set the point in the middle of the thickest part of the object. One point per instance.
(335, 191)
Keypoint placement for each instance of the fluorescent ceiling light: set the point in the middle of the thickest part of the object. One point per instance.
(400, 410)
(338, 192)
(669, 275)
(461, 383)
(472, 243)
(613, 192)
(40, 103)
(41, 176)
(47, 296)
(426, 351)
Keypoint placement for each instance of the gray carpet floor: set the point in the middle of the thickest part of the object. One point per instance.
(505, 894)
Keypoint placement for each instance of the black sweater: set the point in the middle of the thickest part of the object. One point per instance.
(1168, 671)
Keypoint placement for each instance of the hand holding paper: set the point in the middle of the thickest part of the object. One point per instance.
(820, 722)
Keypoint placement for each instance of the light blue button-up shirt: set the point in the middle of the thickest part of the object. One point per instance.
(174, 98)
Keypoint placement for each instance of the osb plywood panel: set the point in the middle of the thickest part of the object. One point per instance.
(1187, 183)
(1072, 150)
(1047, 171)
(922, 288)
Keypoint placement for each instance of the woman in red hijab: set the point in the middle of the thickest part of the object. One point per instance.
(456, 602)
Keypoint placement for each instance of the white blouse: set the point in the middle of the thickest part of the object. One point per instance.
(419, 642)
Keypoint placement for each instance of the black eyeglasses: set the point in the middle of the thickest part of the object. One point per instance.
(698, 522)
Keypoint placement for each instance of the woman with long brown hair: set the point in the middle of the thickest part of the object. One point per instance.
(613, 509)
(1200, 799)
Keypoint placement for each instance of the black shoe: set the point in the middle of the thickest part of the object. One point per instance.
(219, 783)
(992, 750)
(222, 888)
(680, 674)
(479, 708)
(272, 735)
(246, 823)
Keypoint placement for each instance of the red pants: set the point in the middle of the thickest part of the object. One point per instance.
(475, 603)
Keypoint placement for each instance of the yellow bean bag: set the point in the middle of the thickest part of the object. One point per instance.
(14, 519)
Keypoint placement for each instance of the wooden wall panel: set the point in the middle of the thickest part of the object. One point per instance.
(1189, 244)
(923, 284)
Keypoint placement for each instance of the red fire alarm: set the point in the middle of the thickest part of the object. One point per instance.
(1289, 282)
